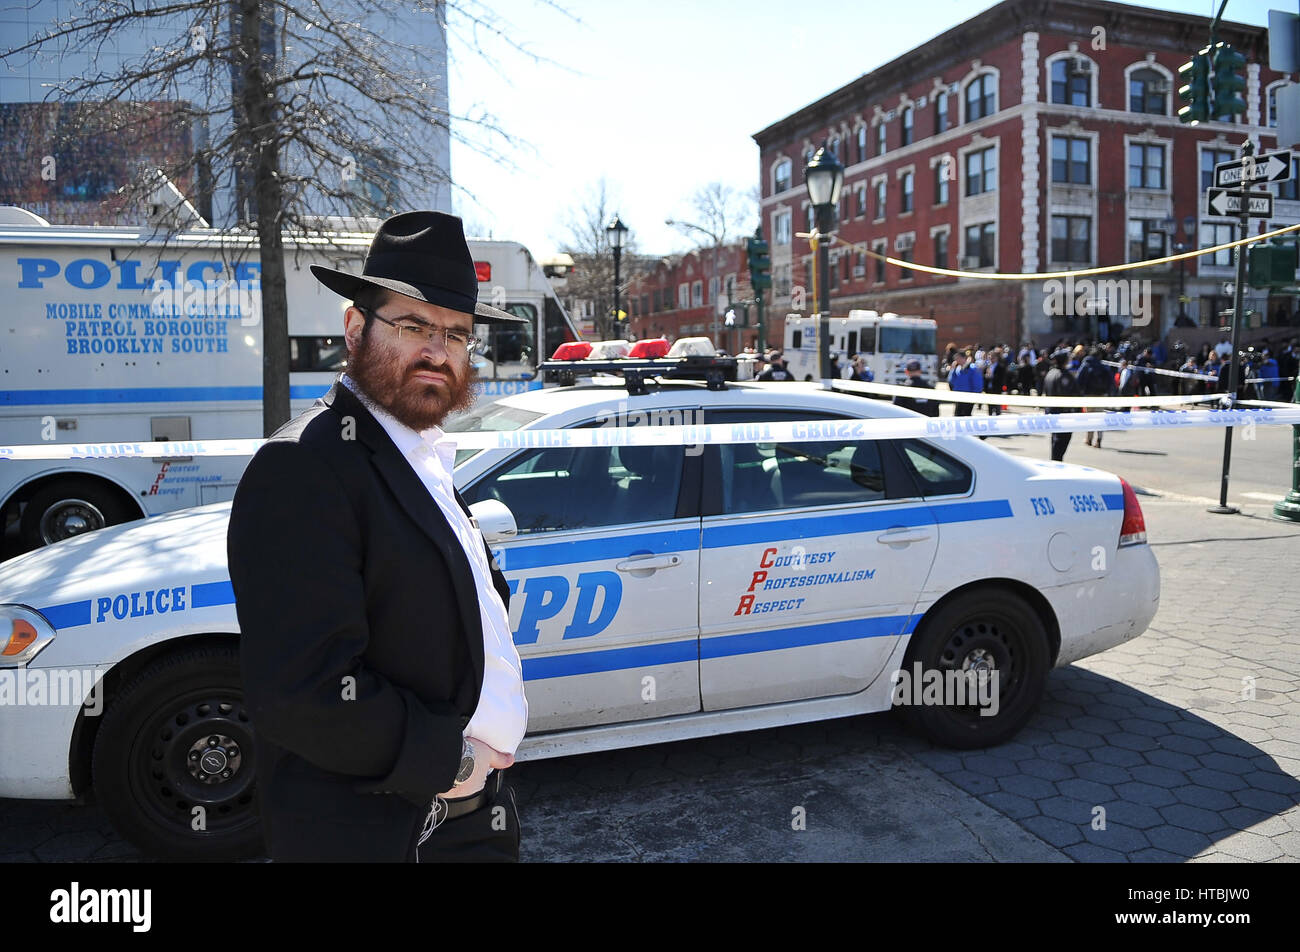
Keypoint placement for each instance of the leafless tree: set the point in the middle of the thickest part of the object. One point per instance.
(587, 242)
(292, 110)
(718, 213)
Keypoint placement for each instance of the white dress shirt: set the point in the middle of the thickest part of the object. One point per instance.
(502, 713)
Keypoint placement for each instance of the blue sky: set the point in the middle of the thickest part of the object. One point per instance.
(663, 97)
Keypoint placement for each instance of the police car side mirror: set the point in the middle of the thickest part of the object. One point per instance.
(495, 520)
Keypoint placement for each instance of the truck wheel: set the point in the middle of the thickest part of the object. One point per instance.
(69, 507)
(173, 761)
(990, 634)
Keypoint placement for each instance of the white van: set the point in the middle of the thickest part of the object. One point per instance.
(121, 335)
(887, 341)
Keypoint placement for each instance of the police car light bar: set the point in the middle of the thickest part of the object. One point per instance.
(715, 371)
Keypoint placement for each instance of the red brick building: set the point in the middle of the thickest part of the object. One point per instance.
(1034, 137)
(689, 296)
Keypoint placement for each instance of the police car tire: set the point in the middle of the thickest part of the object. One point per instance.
(140, 764)
(62, 491)
(992, 621)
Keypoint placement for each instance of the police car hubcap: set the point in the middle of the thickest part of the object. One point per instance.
(197, 759)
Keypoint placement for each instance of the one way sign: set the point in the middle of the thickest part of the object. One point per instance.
(1219, 201)
(1271, 167)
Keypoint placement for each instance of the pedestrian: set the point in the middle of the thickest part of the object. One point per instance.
(964, 378)
(777, 369)
(1268, 374)
(377, 659)
(1060, 383)
(1025, 377)
(1094, 380)
(861, 371)
(995, 380)
(914, 379)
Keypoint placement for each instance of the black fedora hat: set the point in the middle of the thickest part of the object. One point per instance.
(424, 256)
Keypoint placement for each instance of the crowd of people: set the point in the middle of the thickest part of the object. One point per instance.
(1130, 368)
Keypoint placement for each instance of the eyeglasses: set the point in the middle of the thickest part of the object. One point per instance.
(453, 339)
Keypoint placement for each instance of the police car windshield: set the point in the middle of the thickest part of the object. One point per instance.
(490, 416)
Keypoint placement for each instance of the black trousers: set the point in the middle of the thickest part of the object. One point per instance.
(1059, 442)
(488, 835)
(962, 409)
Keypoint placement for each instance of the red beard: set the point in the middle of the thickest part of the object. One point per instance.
(387, 376)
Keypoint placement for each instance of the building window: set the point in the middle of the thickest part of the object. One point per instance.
(907, 127)
(981, 97)
(941, 250)
(981, 171)
(833, 273)
(860, 266)
(880, 200)
(1145, 239)
(645, 304)
(1272, 107)
(1209, 159)
(781, 227)
(904, 274)
(1071, 238)
(1070, 82)
(1290, 189)
(1071, 160)
(860, 194)
(941, 170)
(658, 301)
(683, 295)
(697, 294)
(1148, 92)
(880, 139)
(1213, 234)
(979, 245)
(940, 112)
(879, 248)
(862, 143)
(781, 177)
(812, 220)
(713, 290)
(1146, 166)
(905, 203)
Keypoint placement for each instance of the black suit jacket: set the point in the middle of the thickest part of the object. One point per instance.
(361, 642)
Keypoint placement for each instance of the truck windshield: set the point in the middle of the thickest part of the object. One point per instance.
(907, 340)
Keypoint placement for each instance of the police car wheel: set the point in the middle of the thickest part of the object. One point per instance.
(991, 634)
(173, 760)
(69, 507)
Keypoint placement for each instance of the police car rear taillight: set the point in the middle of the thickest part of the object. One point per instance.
(1134, 529)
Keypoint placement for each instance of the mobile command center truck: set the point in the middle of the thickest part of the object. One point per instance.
(113, 335)
(887, 341)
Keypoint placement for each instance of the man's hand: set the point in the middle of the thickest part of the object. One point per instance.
(485, 759)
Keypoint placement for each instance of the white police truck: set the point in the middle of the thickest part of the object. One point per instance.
(888, 342)
(120, 335)
(659, 592)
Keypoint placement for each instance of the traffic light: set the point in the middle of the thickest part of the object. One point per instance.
(760, 262)
(1195, 90)
(1228, 81)
(1273, 265)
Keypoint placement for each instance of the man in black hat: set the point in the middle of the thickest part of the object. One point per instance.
(378, 666)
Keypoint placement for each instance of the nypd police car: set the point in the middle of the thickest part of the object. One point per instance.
(658, 593)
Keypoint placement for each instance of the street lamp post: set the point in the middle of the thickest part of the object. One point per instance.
(617, 232)
(825, 177)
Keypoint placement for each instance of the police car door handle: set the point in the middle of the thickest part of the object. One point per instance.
(903, 536)
(654, 562)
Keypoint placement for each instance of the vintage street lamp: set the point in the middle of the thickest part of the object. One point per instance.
(825, 176)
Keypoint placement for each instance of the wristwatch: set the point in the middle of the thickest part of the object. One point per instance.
(466, 763)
